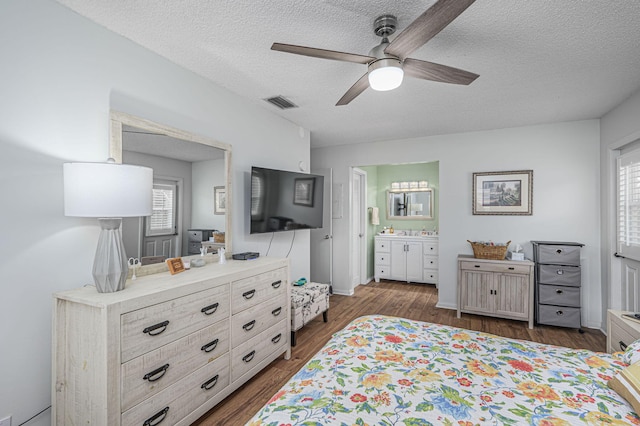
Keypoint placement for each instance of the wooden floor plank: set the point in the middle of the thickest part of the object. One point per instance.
(414, 301)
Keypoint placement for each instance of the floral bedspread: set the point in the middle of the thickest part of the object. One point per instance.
(382, 370)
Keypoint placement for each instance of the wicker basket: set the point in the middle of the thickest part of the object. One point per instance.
(218, 237)
(486, 251)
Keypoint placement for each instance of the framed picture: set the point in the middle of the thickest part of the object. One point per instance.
(303, 191)
(219, 200)
(175, 265)
(503, 193)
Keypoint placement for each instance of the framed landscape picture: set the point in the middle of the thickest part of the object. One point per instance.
(219, 200)
(503, 193)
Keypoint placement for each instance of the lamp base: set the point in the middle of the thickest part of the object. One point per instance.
(110, 266)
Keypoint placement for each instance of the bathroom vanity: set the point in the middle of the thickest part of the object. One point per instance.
(410, 258)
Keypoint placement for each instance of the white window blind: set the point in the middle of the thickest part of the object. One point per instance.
(163, 219)
(628, 193)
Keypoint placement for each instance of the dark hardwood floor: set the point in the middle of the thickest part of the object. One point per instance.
(414, 301)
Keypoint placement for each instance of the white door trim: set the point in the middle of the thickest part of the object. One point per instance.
(361, 262)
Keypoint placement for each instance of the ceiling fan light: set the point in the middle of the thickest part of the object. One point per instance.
(385, 74)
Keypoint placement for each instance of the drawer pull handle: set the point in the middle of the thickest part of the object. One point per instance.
(208, 310)
(623, 346)
(559, 251)
(277, 338)
(156, 374)
(276, 284)
(210, 383)
(157, 418)
(248, 357)
(276, 311)
(560, 313)
(559, 291)
(511, 268)
(152, 330)
(209, 346)
(249, 294)
(559, 272)
(476, 266)
(248, 326)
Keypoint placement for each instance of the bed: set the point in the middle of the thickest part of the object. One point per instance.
(382, 370)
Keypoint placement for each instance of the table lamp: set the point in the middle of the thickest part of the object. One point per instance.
(109, 192)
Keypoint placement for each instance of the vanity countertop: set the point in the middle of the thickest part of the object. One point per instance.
(405, 234)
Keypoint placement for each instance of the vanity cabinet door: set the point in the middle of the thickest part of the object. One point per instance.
(398, 269)
(413, 260)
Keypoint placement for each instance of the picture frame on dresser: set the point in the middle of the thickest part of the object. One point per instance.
(503, 193)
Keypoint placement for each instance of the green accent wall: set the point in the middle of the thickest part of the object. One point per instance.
(379, 180)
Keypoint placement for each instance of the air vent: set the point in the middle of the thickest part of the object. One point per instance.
(281, 102)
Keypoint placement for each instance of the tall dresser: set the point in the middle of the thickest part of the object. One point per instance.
(558, 280)
(167, 348)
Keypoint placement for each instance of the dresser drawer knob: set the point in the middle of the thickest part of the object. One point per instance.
(157, 418)
(249, 294)
(276, 284)
(276, 339)
(208, 310)
(156, 374)
(559, 291)
(559, 272)
(210, 383)
(276, 311)
(248, 326)
(209, 346)
(623, 346)
(559, 313)
(559, 251)
(248, 357)
(154, 330)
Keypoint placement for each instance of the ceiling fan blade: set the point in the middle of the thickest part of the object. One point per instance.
(426, 26)
(322, 53)
(436, 72)
(360, 86)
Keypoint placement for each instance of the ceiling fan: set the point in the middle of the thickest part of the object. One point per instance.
(388, 62)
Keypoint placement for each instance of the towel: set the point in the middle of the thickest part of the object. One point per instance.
(375, 216)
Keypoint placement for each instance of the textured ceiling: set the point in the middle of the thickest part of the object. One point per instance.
(539, 61)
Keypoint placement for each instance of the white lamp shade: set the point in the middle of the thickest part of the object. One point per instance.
(107, 190)
(386, 74)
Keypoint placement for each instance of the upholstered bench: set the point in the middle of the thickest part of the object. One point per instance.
(307, 302)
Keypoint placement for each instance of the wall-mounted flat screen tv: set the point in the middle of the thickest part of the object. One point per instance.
(285, 201)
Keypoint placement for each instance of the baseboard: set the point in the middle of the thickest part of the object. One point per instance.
(343, 293)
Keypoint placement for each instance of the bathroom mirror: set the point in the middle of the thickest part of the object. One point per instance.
(410, 204)
(187, 208)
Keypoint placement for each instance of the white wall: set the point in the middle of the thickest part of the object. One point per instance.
(618, 127)
(566, 203)
(61, 75)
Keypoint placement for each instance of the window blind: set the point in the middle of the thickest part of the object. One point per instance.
(162, 220)
(628, 206)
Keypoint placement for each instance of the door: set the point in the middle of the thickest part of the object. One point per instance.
(322, 238)
(414, 261)
(161, 230)
(358, 240)
(477, 289)
(512, 296)
(398, 268)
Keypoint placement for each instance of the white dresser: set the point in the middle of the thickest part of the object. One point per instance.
(406, 258)
(167, 348)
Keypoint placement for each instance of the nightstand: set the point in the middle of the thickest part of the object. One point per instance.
(620, 331)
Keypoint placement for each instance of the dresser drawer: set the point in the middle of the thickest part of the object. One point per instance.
(148, 374)
(559, 254)
(383, 259)
(494, 267)
(255, 320)
(562, 316)
(430, 262)
(558, 295)
(149, 328)
(559, 275)
(250, 291)
(182, 398)
(252, 352)
(620, 338)
(194, 248)
(430, 248)
(383, 246)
